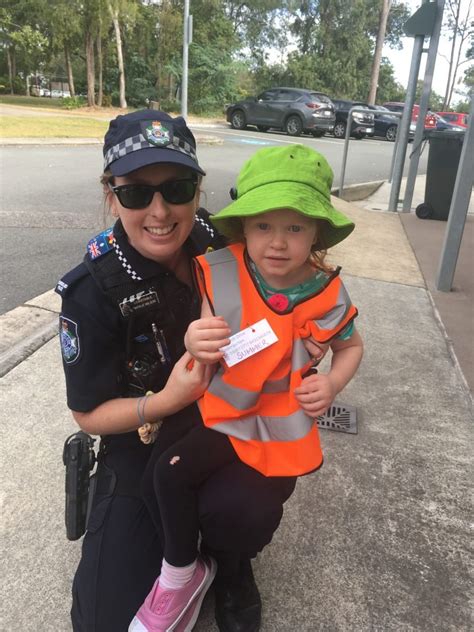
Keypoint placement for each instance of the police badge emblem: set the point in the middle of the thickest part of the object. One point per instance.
(69, 339)
(158, 134)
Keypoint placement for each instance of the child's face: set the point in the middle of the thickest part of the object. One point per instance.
(279, 242)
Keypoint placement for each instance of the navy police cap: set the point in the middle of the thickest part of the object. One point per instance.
(148, 137)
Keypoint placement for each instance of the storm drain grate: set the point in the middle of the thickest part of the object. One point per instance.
(340, 418)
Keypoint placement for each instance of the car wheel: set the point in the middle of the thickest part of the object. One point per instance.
(339, 130)
(317, 133)
(293, 126)
(359, 136)
(263, 128)
(238, 120)
(424, 211)
(391, 133)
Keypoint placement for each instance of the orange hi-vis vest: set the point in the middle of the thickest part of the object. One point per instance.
(253, 402)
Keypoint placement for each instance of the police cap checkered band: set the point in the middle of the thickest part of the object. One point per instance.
(148, 137)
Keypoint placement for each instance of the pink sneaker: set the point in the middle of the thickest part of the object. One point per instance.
(175, 610)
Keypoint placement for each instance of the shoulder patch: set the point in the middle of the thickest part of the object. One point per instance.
(70, 278)
(69, 338)
(101, 244)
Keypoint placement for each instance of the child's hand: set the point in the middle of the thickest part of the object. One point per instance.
(205, 337)
(315, 394)
(317, 350)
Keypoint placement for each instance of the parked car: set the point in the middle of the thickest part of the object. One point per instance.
(292, 110)
(56, 94)
(362, 123)
(456, 118)
(443, 125)
(385, 124)
(430, 119)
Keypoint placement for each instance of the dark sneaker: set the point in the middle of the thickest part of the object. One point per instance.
(238, 603)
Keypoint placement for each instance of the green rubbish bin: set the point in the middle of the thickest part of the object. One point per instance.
(443, 161)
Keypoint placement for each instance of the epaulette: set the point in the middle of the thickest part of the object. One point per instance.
(204, 234)
(101, 243)
(70, 278)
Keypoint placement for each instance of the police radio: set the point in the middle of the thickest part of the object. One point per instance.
(79, 459)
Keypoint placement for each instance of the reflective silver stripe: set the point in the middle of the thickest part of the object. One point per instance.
(337, 314)
(277, 386)
(240, 398)
(299, 355)
(226, 288)
(257, 428)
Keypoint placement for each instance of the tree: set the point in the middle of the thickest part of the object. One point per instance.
(30, 48)
(461, 30)
(65, 28)
(115, 7)
(374, 76)
(336, 39)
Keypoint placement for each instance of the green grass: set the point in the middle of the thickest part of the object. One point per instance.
(37, 102)
(51, 127)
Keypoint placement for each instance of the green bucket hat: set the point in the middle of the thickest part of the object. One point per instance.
(294, 177)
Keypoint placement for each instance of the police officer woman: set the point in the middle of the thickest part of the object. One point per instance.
(125, 311)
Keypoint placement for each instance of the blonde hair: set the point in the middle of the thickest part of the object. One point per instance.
(318, 252)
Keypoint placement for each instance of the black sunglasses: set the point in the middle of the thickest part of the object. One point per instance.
(139, 196)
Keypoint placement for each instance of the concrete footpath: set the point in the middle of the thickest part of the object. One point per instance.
(378, 540)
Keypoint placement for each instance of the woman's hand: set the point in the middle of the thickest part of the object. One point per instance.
(315, 394)
(187, 382)
(205, 337)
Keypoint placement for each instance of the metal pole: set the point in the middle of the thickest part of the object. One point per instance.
(424, 102)
(184, 82)
(346, 145)
(404, 126)
(458, 210)
(395, 146)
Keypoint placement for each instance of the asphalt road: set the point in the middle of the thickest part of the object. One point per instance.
(51, 201)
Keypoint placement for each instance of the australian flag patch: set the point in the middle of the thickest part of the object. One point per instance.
(101, 244)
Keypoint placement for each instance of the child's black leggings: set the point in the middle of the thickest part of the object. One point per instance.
(177, 474)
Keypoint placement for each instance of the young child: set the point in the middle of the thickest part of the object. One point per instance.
(272, 291)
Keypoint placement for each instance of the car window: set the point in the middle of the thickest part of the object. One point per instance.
(395, 108)
(286, 95)
(268, 95)
(319, 98)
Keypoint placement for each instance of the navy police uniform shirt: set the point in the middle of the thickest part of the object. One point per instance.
(91, 329)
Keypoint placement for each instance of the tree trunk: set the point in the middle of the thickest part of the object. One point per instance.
(70, 77)
(90, 69)
(10, 69)
(449, 89)
(118, 39)
(374, 77)
(100, 92)
(455, 73)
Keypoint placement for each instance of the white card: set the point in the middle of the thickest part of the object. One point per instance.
(248, 342)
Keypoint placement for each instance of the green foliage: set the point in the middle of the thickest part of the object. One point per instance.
(232, 54)
(388, 88)
(72, 103)
(140, 91)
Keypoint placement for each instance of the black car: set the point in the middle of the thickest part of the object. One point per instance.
(362, 123)
(292, 110)
(385, 124)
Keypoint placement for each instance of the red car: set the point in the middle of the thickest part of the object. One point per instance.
(430, 119)
(457, 118)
